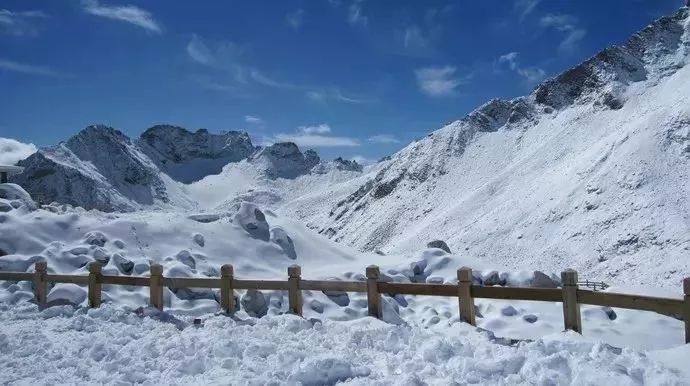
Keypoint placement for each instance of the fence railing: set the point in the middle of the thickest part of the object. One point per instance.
(569, 294)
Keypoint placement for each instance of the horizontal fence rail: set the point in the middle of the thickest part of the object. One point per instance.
(569, 294)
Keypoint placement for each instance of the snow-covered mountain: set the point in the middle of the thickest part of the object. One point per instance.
(589, 171)
(101, 168)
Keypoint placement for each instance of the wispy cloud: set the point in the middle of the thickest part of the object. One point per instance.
(29, 69)
(438, 81)
(199, 51)
(531, 74)
(13, 151)
(525, 7)
(313, 136)
(383, 138)
(295, 19)
(362, 160)
(355, 14)
(20, 23)
(127, 13)
(252, 119)
(568, 25)
(262, 79)
(228, 57)
(334, 94)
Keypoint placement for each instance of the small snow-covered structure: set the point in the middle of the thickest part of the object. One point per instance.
(6, 171)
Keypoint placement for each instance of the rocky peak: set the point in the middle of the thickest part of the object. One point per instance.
(190, 156)
(284, 159)
(652, 52)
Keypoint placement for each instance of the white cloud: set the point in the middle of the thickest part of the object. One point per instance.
(314, 136)
(438, 81)
(12, 151)
(30, 69)
(295, 19)
(383, 138)
(355, 15)
(199, 51)
(531, 74)
(127, 13)
(414, 39)
(362, 160)
(20, 23)
(525, 7)
(333, 94)
(253, 119)
(260, 78)
(317, 129)
(315, 140)
(569, 26)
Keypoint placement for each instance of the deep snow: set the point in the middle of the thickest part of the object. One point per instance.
(112, 346)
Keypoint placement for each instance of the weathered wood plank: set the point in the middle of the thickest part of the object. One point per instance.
(127, 280)
(418, 289)
(17, 276)
(156, 286)
(267, 285)
(375, 308)
(572, 318)
(465, 299)
(95, 285)
(191, 282)
(227, 298)
(634, 302)
(518, 293)
(686, 308)
(72, 279)
(40, 284)
(294, 292)
(329, 285)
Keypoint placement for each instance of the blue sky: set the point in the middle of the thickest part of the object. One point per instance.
(347, 77)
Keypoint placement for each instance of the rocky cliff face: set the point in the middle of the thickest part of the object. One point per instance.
(190, 156)
(99, 168)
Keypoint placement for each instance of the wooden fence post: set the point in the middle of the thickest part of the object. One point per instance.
(373, 295)
(465, 299)
(571, 309)
(227, 296)
(686, 308)
(95, 280)
(40, 284)
(294, 293)
(156, 286)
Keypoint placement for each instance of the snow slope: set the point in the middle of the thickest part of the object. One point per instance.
(590, 171)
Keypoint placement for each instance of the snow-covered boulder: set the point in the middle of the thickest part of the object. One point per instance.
(542, 280)
(65, 293)
(280, 237)
(14, 192)
(254, 303)
(253, 220)
(440, 244)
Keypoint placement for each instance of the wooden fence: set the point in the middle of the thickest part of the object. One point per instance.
(569, 294)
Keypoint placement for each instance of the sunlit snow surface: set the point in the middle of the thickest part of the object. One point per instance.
(107, 345)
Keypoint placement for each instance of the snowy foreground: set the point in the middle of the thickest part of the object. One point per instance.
(114, 346)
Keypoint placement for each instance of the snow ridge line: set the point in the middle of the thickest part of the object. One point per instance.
(569, 294)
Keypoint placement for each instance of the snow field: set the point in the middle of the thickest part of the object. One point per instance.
(110, 345)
